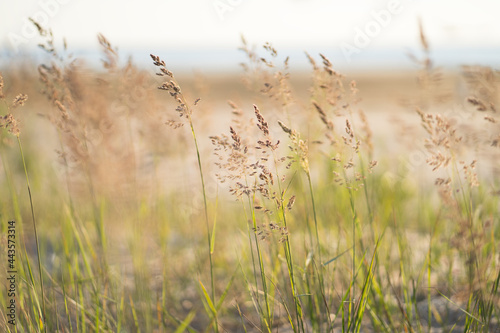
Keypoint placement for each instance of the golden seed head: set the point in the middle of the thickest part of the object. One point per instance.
(291, 202)
(480, 106)
(312, 61)
(10, 123)
(19, 100)
(285, 129)
(262, 124)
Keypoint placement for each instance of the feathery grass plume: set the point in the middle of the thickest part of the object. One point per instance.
(483, 84)
(444, 141)
(171, 86)
(278, 88)
(329, 94)
(98, 117)
(138, 114)
(423, 39)
(324, 118)
(432, 87)
(480, 106)
(261, 123)
(484, 90)
(8, 121)
(266, 230)
(312, 61)
(367, 139)
(19, 100)
(253, 68)
(262, 76)
(236, 167)
(291, 201)
(89, 129)
(111, 61)
(241, 125)
(298, 148)
(48, 44)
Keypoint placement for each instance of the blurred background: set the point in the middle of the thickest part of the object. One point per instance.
(376, 43)
(205, 34)
(417, 80)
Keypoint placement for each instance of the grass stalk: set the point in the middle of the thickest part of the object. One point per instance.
(268, 315)
(40, 273)
(209, 235)
(319, 268)
(185, 110)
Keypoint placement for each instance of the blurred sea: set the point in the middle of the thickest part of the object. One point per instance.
(228, 60)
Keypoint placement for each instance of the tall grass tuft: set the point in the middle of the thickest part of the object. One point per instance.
(184, 110)
(10, 123)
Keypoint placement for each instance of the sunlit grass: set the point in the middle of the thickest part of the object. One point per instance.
(286, 222)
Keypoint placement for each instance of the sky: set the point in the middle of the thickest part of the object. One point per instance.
(352, 30)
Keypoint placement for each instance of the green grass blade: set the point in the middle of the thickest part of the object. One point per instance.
(224, 294)
(458, 307)
(134, 315)
(365, 291)
(336, 257)
(212, 242)
(208, 299)
(185, 323)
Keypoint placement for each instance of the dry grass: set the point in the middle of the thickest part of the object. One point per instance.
(303, 215)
